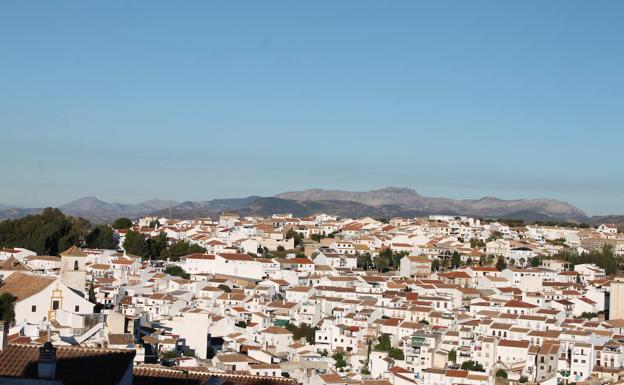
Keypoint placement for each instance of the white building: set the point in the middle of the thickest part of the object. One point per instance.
(41, 299)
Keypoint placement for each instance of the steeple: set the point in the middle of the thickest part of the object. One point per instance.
(73, 269)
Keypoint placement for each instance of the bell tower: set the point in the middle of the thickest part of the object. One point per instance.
(73, 269)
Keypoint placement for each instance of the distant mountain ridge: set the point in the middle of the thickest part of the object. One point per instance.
(409, 199)
(381, 203)
(97, 210)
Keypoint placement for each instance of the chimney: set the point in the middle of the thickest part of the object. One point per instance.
(47, 362)
(4, 334)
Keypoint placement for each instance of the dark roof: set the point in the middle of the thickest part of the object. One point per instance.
(74, 365)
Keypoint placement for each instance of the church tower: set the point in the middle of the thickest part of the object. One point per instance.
(73, 269)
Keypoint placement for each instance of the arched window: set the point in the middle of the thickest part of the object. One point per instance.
(75, 265)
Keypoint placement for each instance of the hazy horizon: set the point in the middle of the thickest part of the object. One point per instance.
(121, 201)
(130, 101)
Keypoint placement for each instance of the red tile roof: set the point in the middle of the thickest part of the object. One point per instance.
(236, 257)
(155, 375)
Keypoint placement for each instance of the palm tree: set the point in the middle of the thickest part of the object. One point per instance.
(7, 307)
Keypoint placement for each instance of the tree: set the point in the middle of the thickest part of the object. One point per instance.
(122, 223)
(396, 353)
(364, 261)
(134, 243)
(177, 271)
(395, 260)
(316, 237)
(472, 365)
(225, 288)
(500, 373)
(281, 248)
(477, 243)
(303, 331)
(381, 264)
(7, 307)
(365, 370)
(535, 261)
(455, 260)
(387, 260)
(339, 357)
(435, 265)
(523, 379)
(494, 236)
(452, 355)
(92, 298)
(102, 237)
(588, 315)
(500, 264)
(47, 233)
(154, 224)
(384, 344)
(291, 233)
(154, 248)
(603, 258)
(181, 248)
(241, 324)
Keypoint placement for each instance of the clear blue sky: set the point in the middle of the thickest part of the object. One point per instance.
(193, 100)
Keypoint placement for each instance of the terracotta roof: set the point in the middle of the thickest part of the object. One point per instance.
(514, 343)
(236, 257)
(275, 330)
(122, 261)
(516, 303)
(73, 251)
(418, 258)
(455, 274)
(73, 365)
(100, 266)
(298, 261)
(120, 339)
(234, 357)
(43, 258)
(12, 264)
(24, 285)
(199, 256)
(157, 375)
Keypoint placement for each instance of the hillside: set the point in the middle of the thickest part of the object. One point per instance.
(382, 203)
(409, 200)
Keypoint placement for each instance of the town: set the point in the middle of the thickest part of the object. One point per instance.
(319, 300)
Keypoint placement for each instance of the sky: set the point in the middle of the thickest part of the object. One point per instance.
(194, 100)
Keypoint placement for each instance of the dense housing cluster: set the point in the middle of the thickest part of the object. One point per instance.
(323, 300)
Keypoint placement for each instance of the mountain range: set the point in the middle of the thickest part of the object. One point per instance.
(382, 203)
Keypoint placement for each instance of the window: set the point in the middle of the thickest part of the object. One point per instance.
(76, 308)
(75, 265)
(55, 305)
(33, 308)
